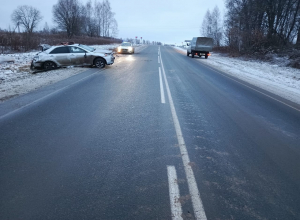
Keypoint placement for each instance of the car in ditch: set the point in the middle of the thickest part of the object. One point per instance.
(125, 47)
(72, 55)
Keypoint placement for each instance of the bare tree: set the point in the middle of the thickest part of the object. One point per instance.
(89, 20)
(26, 16)
(114, 28)
(67, 14)
(206, 25)
(98, 16)
(212, 26)
(255, 24)
(46, 29)
(217, 32)
(106, 16)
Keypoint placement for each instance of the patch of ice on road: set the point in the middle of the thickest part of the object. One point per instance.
(277, 79)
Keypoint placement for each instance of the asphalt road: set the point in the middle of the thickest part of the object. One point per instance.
(105, 144)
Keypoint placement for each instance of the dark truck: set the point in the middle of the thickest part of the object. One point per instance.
(200, 46)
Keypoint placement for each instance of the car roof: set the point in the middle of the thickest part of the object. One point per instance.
(56, 46)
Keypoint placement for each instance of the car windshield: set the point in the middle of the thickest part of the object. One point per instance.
(90, 49)
(126, 44)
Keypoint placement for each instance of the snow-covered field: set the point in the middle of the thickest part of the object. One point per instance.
(280, 80)
(16, 77)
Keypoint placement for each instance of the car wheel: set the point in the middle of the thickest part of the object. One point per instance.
(99, 63)
(187, 53)
(206, 56)
(193, 55)
(48, 65)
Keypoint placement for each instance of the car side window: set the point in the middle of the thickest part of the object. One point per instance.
(60, 50)
(77, 50)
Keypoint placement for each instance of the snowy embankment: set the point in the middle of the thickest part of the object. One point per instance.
(16, 77)
(280, 80)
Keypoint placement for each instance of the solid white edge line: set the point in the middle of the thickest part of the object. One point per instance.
(162, 92)
(174, 194)
(193, 188)
(158, 59)
(232, 78)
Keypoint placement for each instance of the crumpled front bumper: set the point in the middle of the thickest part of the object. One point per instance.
(35, 65)
(110, 60)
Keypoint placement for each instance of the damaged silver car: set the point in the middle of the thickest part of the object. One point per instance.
(72, 55)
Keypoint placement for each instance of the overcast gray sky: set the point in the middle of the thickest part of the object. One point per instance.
(167, 21)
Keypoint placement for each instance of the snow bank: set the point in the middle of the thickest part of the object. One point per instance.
(279, 80)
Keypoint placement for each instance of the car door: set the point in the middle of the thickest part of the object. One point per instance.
(78, 56)
(61, 55)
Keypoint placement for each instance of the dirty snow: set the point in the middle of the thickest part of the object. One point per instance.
(275, 78)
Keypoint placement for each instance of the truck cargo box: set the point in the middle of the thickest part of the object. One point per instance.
(200, 46)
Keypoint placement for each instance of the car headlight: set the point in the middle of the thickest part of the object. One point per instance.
(119, 49)
(35, 58)
(130, 48)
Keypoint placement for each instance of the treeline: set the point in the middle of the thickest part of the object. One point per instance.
(254, 25)
(92, 19)
(13, 41)
(92, 23)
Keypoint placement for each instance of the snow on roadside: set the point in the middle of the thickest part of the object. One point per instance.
(279, 80)
(16, 77)
(24, 82)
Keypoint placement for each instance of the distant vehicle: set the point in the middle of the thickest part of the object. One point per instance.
(200, 46)
(72, 55)
(126, 47)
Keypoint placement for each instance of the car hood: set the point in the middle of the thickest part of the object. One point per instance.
(103, 51)
(125, 47)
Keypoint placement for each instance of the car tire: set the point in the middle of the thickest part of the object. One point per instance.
(193, 55)
(49, 65)
(99, 63)
(187, 53)
(206, 56)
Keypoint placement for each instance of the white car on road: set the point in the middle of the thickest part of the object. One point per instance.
(126, 47)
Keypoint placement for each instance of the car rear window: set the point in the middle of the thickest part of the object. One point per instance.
(60, 50)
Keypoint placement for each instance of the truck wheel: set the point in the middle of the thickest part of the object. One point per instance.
(193, 55)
